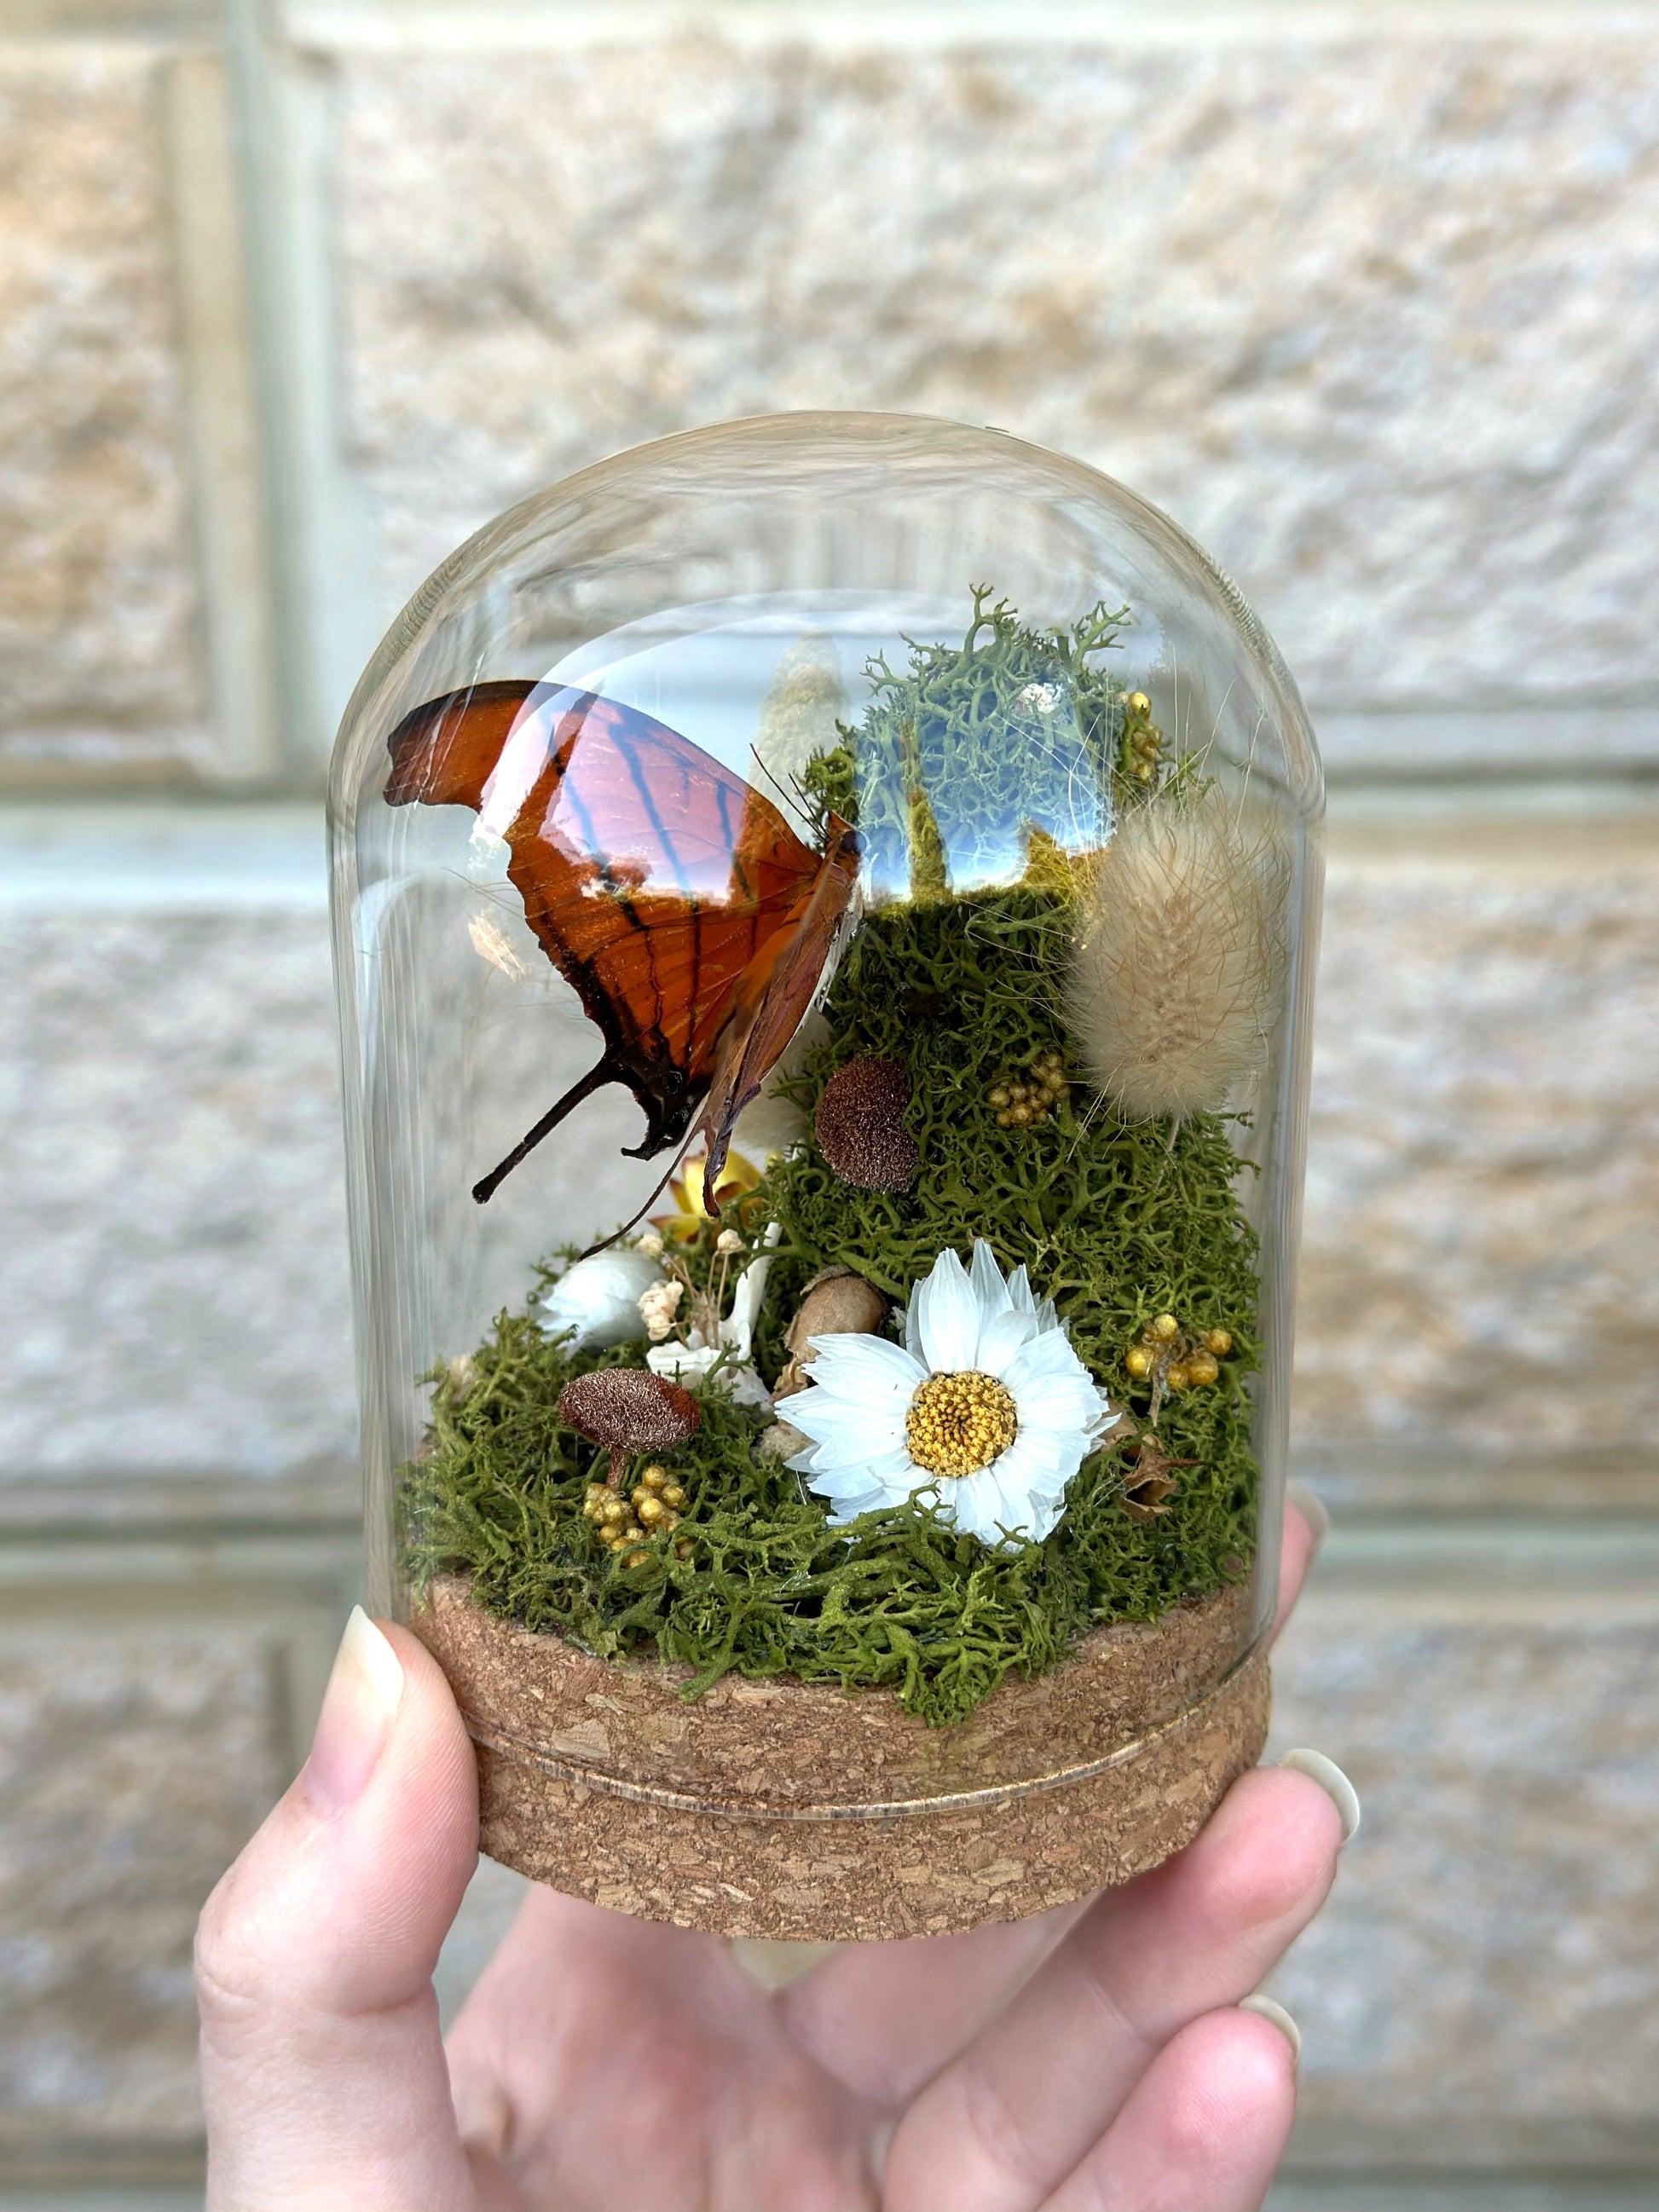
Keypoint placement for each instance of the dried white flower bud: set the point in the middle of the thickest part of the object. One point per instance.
(728, 1241)
(597, 1301)
(657, 1304)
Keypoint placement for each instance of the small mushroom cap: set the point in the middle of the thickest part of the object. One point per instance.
(860, 1128)
(630, 1408)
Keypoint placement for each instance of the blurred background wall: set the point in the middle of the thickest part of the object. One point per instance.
(292, 297)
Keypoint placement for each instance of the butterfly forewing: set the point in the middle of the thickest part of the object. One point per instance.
(669, 891)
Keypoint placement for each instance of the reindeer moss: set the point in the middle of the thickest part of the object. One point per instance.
(1116, 1224)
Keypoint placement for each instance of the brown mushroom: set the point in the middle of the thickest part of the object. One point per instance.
(860, 1126)
(629, 1409)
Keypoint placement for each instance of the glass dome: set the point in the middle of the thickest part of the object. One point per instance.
(824, 918)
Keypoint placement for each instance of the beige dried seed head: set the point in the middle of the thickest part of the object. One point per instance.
(1179, 955)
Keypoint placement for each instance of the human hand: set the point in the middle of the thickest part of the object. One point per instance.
(1094, 2059)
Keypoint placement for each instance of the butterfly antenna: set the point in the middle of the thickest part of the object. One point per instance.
(677, 1162)
(785, 791)
(595, 1079)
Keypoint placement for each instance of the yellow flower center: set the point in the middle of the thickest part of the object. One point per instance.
(958, 1424)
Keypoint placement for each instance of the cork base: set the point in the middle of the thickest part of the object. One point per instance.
(787, 1810)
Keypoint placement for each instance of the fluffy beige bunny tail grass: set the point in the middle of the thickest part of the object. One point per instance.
(799, 714)
(1179, 955)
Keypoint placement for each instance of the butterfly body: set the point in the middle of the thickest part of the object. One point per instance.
(692, 923)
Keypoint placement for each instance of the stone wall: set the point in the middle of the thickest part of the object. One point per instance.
(1369, 306)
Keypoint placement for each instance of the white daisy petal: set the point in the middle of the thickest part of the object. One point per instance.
(1045, 1519)
(966, 1503)
(823, 1414)
(947, 1316)
(1020, 1292)
(1024, 1472)
(1000, 1341)
(845, 1448)
(1060, 1404)
(986, 1277)
(849, 1507)
(1043, 1362)
(1025, 1462)
(987, 1511)
(889, 1482)
(865, 1362)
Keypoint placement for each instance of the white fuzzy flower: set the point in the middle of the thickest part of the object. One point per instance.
(657, 1308)
(1040, 698)
(597, 1301)
(985, 1401)
(689, 1364)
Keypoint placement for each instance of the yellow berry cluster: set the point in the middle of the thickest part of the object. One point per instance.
(1020, 1100)
(651, 1508)
(1145, 739)
(1185, 1359)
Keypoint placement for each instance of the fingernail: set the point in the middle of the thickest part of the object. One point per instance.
(775, 1965)
(359, 1707)
(1334, 1783)
(1312, 1508)
(1267, 2009)
(483, 2120)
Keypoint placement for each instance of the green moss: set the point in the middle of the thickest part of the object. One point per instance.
(1116, 1224)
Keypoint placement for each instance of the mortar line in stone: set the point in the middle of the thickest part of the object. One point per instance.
(339, 27)
(226, 474)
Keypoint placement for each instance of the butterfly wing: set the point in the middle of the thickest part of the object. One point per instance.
(776, 990)
(651, 877)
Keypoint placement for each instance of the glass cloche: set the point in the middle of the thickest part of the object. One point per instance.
(825, 908)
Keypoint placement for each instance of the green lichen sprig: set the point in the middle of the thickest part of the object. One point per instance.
(957, 757)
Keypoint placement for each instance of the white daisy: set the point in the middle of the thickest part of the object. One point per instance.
(985, 1401)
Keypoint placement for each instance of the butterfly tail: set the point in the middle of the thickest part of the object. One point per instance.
(597, 1077)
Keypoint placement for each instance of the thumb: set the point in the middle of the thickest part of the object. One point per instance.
(323, 2071)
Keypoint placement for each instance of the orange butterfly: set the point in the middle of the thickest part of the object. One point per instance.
(693, 922)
